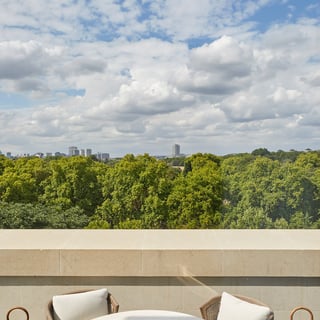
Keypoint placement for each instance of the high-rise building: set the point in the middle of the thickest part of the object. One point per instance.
(88, 152)
(73, 151)
(103, 156)
(175, 150)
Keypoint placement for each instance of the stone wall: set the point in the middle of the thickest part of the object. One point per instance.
(161, 269)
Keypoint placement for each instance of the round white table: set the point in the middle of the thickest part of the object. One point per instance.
(148, 315)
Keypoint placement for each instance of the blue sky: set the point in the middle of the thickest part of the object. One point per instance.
(279, 12)
(137, 76)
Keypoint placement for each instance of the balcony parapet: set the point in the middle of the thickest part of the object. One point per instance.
(160, 253)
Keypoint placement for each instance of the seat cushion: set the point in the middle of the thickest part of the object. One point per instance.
(80, 306)
(232, 308)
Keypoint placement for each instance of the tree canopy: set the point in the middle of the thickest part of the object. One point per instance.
(262, 189)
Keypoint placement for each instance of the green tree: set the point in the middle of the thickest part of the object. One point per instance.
(135, 190)
(197, 196)
(249, 191)
(21, 181)
(233, 171)
(280, 189)
(198, 160)
(73, 182)
(299, 220)
(37, 216)
(261, 152)
(4, 162)
(252, 218)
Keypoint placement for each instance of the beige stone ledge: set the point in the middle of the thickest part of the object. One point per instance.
(160, 253)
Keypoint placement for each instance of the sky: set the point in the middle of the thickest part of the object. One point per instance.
(137, 76)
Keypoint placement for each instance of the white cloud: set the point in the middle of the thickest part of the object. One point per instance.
(122, 77)
(19, 60)
(219, 68)
(224, 54)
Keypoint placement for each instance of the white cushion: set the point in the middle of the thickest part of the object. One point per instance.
(232, 308)
(80, 306)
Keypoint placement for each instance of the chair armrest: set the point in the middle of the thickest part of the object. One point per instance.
(49, 313)
(113, 303)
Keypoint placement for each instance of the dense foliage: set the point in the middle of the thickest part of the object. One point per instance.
(258, 190)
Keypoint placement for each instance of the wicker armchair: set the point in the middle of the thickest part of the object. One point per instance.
(210, 310)
(113, 306)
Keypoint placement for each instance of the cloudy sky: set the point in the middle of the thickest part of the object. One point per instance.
(137, 76)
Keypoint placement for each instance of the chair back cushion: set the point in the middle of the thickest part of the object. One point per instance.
(80, 306)
(232, 308)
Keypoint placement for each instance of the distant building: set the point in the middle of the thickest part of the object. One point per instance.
(73, 151)
(38, 155)
(59, 154)
(88, 152)
(102, 156)
(175, 150)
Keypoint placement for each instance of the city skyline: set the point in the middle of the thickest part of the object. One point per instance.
(85, 151)
(136, 76)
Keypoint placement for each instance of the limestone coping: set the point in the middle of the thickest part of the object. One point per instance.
(145, 253)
